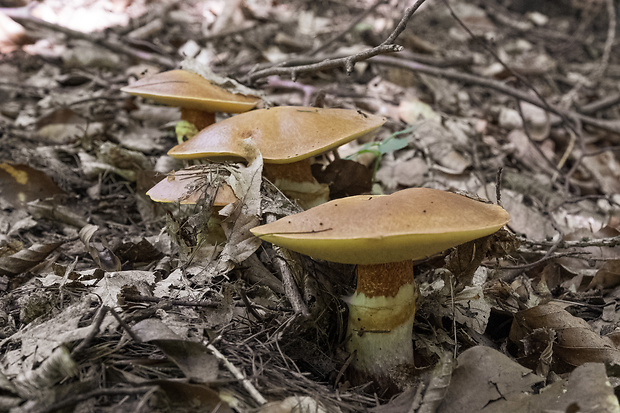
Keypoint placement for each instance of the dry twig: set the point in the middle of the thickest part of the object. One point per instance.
(24, 17)
(290, 287)
(348, 62)
(610, 126)
(238, 375)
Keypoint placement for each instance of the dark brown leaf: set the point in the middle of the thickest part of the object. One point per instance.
(345, 178)
(576, 342)
(25, 259)
(20, 184)
(193, 358)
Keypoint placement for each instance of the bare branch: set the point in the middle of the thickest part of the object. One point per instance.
(348, 62)
(608, 125)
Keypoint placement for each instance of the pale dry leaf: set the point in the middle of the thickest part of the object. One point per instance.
(174, 286)
(472, 309)
(537, 121)
(38, 341)
(525, 219)
(58, 366)
(441, 145)
(605, 170)
(193, 358)
(413, 110)
(110, 286)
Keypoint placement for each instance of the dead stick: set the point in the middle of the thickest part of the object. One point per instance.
(610, 126)
(23, 17)
(290, 287)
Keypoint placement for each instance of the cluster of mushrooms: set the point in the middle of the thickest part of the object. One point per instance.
(382, 234)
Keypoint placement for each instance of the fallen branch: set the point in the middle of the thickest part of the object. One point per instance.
(610, 126)
(23, 16)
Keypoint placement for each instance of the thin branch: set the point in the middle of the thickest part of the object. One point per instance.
(95, 326)
(290, 286)
(348, 62)
(609, 42)
(350, 27)
(603, 242)
(606, 102)
(23, 16)
(610, 126)
(238, 375)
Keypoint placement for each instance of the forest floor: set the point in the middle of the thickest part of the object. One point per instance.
(112, 302)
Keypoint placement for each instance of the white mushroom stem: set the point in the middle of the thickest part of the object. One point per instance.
(381, 314)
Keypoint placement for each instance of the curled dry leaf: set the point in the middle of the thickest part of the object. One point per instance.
(103, 256)
(193, 358)
(25, 259)
(576, 342)
(608, 276)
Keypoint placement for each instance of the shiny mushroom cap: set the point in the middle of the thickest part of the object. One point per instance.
(282, 134)
(187, 187)
(190, 90)
(409, 224)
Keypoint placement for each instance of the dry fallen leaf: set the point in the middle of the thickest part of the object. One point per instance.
(25, 259)
(101, 254)
(487, 381)
(20, 184)
(576, 342)
(193, 358)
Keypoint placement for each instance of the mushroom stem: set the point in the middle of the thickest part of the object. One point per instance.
(381, 313)
(300, 171)
(199, 118)
(296, 181)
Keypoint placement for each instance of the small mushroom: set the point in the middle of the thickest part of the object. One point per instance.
(186, 187)
(383, 235)
(197, 97)
(287, 137)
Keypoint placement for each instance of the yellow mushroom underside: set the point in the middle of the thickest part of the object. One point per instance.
(282, 135)
(190, 90)
(410, 224)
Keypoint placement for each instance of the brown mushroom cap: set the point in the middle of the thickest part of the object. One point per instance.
(190, 90)
(282, 134)
(187, 187)
(409, 224)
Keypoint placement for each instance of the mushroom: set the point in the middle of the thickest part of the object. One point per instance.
(287, 137)
(186, 187)
(383, 235)
(197, 97)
